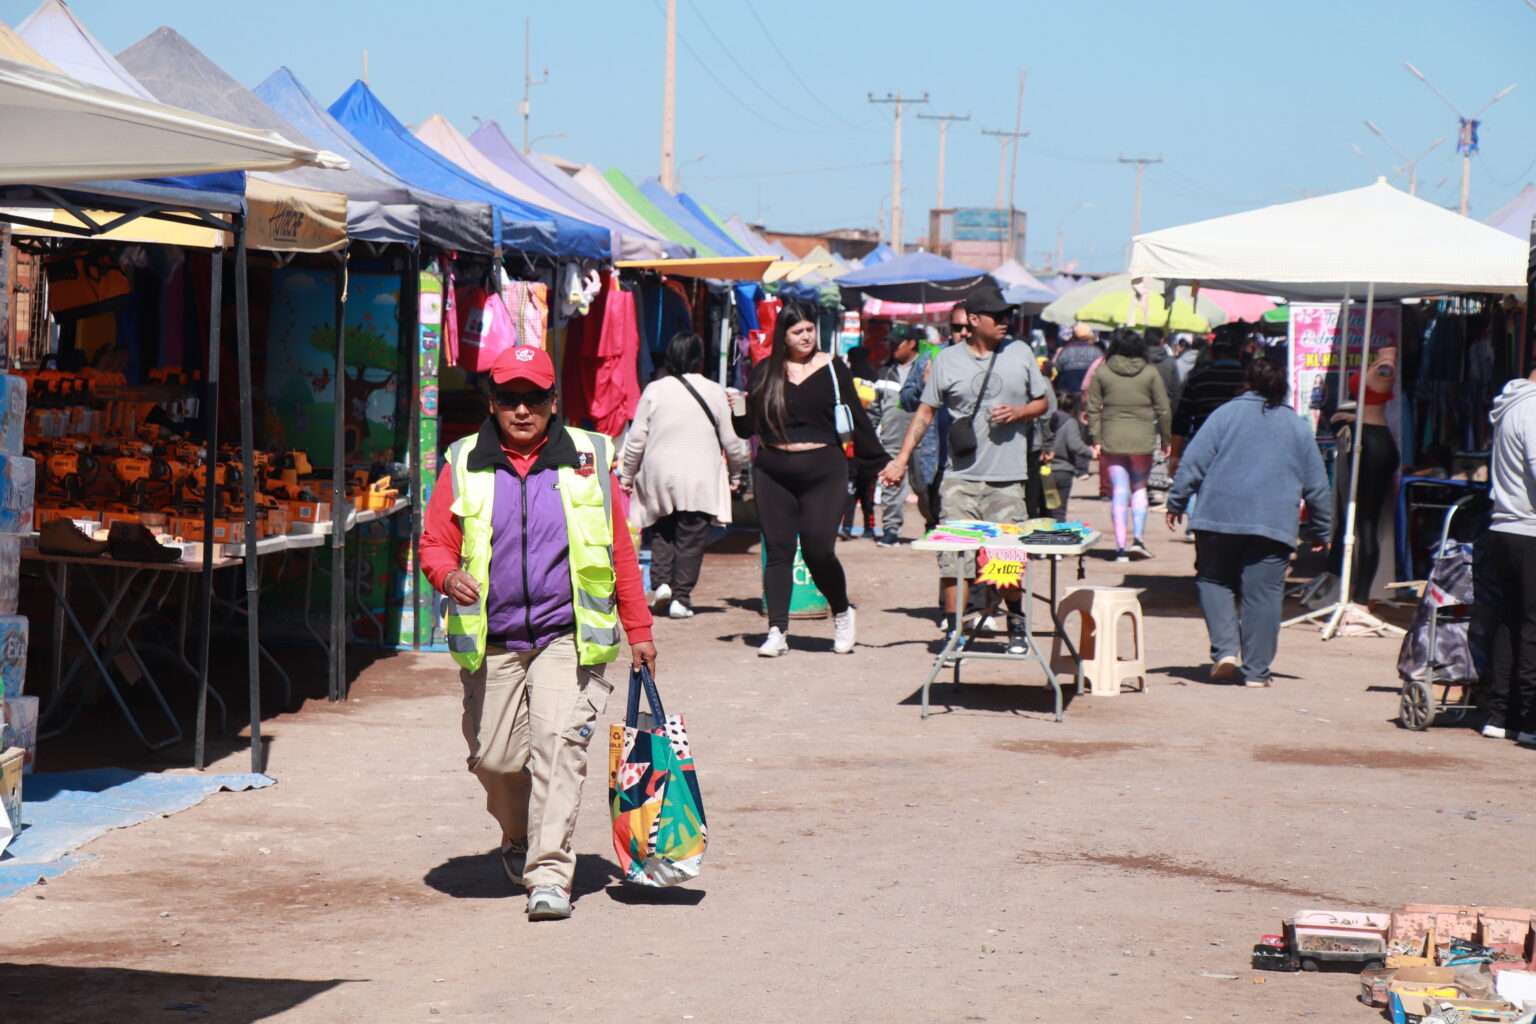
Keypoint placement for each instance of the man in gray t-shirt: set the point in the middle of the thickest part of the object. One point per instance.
(988, 483)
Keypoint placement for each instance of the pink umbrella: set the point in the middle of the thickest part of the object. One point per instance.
(1238, 306)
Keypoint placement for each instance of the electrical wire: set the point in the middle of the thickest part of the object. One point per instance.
(725, 49)
(770, 122)
(795, 74)
(797, 171)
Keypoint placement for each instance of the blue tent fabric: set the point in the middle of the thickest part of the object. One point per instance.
(879, 254)
(62, 811)
(911, 277)
(668, 204)
(447, 223)
(520, 225)
(716, 229)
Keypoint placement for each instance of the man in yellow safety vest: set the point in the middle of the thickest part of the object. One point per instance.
(524, 538)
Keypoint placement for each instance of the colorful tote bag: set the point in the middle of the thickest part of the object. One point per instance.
(653, 793)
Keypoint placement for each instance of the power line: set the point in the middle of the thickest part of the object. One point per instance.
(829, 169)
(725, 49)
(721, 82)
(795, 74)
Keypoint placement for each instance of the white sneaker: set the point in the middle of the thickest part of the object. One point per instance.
(678, 610)
(843, 632)
(662, 594)
(777, 644)
(1495, 732)
(1226, 670)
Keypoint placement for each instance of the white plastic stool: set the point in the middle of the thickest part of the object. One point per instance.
(1100, 610)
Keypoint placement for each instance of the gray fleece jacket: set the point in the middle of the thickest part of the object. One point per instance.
(1513, 465)
(1253, 466)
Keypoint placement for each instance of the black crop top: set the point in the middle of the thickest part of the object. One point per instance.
(808, 412)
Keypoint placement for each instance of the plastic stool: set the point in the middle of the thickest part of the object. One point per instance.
(1100, 610)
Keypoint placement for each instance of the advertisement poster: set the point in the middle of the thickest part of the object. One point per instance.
(425, 630)
(301, 365)
(1314, 330)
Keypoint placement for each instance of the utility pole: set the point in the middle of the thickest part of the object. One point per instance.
(1013, 160)
(1409, 165)
(944, 120)
(669, 101)
(1141, 163)
(528, 79)
(365, 66)
(1006, 140)
(896, 100)
(1466, 132)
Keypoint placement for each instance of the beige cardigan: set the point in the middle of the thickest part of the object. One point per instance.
(672, 457)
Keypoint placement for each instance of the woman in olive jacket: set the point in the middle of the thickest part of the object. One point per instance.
(1130, 419)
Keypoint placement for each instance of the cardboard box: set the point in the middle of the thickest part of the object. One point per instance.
(13, 655)
(75, 512)
(1414, 921)
(1416, 986)
(10, 785)
(309, 511)
(1506, 929)
(19, 715)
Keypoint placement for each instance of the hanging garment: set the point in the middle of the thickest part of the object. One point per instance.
(450, 315)
(485, 329)
(528, 302)
(617, 390)
(577, 290)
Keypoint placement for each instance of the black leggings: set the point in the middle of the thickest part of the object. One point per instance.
(1378, 465)
(801, 494)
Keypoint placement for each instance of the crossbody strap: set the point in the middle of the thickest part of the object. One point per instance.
(702, 405)
(982, 392)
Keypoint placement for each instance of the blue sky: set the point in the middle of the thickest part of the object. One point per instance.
(1248, 103)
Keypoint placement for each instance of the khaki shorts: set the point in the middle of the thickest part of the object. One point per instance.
(978, 499)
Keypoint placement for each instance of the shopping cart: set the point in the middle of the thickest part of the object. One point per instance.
(1443, 651)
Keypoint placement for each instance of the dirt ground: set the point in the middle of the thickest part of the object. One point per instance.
(986, 864)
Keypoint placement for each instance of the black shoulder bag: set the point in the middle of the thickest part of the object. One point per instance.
(962, 433)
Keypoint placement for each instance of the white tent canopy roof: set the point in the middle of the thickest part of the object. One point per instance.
(59, 130)
(1316, 248)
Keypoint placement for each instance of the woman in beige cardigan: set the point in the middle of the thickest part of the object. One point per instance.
(675, 466)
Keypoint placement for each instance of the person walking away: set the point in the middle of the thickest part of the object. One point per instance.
(1213, 382)
(1161, 359)
(993, 390)
(523, 536)
(1253, 463)
(932, 452)
(891, 421)
(1511, 700)
(1073, 454)
(802, 406)
(678, 463)
(1073, 359)
(1129, 421)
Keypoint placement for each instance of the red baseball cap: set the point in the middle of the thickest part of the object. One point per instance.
(524, 362)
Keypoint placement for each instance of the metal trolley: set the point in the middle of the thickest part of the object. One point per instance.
(1436, 657)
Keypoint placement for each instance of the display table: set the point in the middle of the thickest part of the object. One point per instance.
(958, 646)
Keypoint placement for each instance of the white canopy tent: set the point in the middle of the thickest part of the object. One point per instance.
(60, 130)
(1374, 240)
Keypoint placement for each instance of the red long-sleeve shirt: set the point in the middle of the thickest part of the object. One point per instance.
(442, 535)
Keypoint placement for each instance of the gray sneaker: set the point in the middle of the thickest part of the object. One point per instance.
(514, 859)
(549, 903)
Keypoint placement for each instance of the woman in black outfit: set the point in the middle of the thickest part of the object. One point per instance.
(800, 475)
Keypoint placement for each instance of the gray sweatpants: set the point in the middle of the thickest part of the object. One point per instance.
(1239, 569)
(893, 502)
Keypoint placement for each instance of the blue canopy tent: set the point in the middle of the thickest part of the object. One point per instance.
(710, 221)
(447, 223)
(520, 225)
(879, 254)
(702, 229)
(912, 277)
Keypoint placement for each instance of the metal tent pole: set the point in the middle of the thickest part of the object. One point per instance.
(338, 663)
(248, 488)
(411, 294)
(211, 440)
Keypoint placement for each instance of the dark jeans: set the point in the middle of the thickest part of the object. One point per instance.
(1034, 488)
(1378, 468)
(1511, 700)
(677, 552)
(1061, 479)
(1239, 569)
(800, 494)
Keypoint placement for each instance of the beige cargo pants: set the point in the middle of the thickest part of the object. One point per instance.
(528, 717)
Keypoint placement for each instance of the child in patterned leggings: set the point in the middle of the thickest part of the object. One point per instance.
(1128, 483)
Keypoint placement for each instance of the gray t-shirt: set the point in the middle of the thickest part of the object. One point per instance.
(1002, 450)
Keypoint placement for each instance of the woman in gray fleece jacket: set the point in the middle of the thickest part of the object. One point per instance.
(1253, 463)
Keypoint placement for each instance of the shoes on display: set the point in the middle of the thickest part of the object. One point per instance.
(843, 632)
(776, 645)
(549, 903)
(1139, 548)
(678, 610)
(514, 858)
(662, 594)
(1225, 670)
(1495, 732)
(133, 542)
(63, 537)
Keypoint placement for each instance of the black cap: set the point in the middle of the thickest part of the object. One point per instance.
(988, 298)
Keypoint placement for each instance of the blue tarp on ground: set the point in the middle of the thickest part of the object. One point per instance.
(448, 223)
(668, 204)
(62, 811)
(522, 226)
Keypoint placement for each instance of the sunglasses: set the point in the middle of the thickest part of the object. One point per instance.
(959, 328)
(513, 399)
